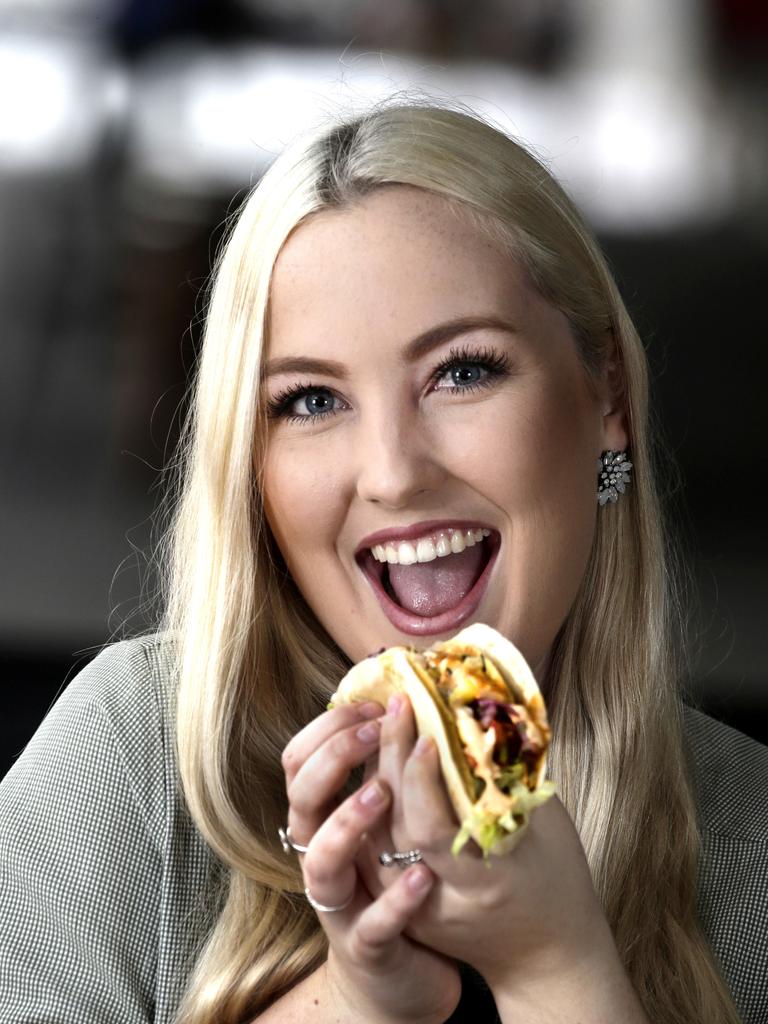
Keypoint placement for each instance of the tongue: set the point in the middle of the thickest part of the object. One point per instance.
(429, 588)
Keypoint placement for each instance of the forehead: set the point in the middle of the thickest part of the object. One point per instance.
(402, 256)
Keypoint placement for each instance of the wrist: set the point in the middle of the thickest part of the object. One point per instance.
(352, 1004)
(348, 1002)
(592, 986)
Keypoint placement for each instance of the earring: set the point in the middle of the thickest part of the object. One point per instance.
(612, 474)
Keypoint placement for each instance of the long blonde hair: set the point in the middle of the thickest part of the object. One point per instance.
(254, 665)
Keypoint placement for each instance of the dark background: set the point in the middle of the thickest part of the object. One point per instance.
(128, 130)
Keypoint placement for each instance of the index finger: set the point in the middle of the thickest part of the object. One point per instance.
(428, 815)
(306, 742)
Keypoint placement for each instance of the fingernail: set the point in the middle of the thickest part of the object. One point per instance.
(394, 704)
(369, 732)
(370, 710)
(372, 795)
(418, 879)
(423, 746)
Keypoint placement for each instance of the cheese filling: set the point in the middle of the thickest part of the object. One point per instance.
(479, 745)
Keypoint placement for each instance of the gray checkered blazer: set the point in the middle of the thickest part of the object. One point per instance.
(107, 888)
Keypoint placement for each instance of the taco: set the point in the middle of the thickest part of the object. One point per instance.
(477, 698)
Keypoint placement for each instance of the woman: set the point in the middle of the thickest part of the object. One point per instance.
(411, 336)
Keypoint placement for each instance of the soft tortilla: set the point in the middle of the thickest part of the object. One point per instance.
(393, 671)
(402, 670)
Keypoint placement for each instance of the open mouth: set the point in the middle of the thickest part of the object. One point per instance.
(435, 582)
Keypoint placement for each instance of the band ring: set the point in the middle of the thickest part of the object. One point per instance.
(288, 842)
(400, 860)
(322, 908)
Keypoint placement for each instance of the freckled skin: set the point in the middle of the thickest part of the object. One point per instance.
(356, 286)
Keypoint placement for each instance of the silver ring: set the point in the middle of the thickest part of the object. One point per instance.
(288, 842)
(400, 860)
(322, 908)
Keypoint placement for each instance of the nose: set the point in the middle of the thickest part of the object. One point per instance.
(396, 461)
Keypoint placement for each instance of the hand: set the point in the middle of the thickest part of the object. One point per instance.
(515, 918)
(372, 966)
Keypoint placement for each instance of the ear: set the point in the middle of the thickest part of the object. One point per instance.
(613, 407)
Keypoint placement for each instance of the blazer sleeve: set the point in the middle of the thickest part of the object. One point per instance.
(81, 841)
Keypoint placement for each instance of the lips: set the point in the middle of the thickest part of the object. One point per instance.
(415, 625)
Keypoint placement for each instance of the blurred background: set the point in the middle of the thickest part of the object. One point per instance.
(130, 128)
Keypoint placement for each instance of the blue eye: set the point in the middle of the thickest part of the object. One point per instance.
(303, 403)
(313, 403)
(465, 370)
(466, 373)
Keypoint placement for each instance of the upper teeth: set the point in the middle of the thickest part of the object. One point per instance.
(425, 549)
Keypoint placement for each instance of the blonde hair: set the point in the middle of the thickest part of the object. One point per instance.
(254, 665)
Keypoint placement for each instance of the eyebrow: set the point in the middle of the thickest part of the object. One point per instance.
(415, 349)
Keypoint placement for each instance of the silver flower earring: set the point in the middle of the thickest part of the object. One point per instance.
(612, 475)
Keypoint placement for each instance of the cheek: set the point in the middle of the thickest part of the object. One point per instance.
(531, 451)
(536, 465)
(301, 502)
(550, 480)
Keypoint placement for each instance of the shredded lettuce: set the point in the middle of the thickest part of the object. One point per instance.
(486, 826)
(490, 833)
(509, 776)
(490, 829)
(462, 838)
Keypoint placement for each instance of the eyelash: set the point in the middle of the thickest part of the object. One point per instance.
(497, 365)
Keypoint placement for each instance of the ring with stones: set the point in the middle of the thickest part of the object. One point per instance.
(400, 860)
